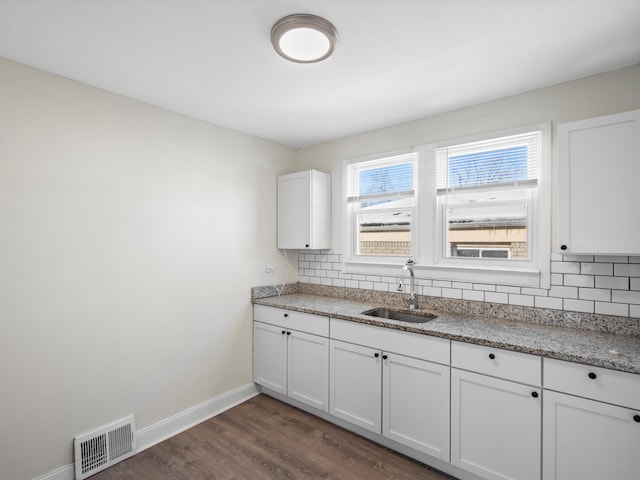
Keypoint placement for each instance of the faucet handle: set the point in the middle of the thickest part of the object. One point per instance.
(410, 262)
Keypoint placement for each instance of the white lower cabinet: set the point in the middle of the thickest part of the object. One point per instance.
(415, 404)
(403, 398)
(355, 384)
(495, 423)
(595, 437)
(589, 440)
(292, 362)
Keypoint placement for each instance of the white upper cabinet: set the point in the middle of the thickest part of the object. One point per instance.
(304, 210)
(598, 185)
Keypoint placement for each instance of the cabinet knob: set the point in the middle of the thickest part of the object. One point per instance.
(636, 418)
(376, 355)
(306, 245)
(534, 394)
(384, 357)
(284, 331)
(288, 333)
(592, 376)
(563, 247)
(492, 356)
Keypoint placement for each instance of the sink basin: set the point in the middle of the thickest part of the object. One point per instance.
(402, 315)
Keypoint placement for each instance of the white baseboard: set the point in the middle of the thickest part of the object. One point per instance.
(167, 428)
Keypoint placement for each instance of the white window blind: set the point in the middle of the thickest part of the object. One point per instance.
(498, 162)
(376, 180)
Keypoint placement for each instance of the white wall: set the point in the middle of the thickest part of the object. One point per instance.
(611, 92)
(129, 240)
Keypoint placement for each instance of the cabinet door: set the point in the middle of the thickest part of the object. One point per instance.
(599, 164)
(294, 210)
(495, 427)
(355, 384)
(589, 440)
(415, 404)
(270, 356)
(308, 369)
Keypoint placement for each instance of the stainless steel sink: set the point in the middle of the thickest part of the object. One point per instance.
(402, 315)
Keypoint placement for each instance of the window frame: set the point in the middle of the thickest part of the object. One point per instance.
(369, 262)
(428, 232)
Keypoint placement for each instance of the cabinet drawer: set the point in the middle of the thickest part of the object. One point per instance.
(515, 366)
(303, 322)
(415, 345)
(611, 386)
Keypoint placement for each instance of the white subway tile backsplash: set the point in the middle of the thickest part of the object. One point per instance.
(563, 292)
(557, 279)
(628, 296)
(476, 295)
(507, 289)
(381, 287)
(602, 284)
(548, 302)
(484, 286)
(496, 297)
(579, 281)
(598, 294)
(577, 258)
(432, 291)
(626, 270)
(611, 259)
(452, 293)
(606, 308)
(534, 291)
(524, 300)
(618, 283)
(596, 269)
(579, 305)
(565, 267)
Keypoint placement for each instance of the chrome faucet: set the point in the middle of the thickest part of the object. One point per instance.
(408, 267)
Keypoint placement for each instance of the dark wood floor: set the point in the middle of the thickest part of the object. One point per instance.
(262, 439)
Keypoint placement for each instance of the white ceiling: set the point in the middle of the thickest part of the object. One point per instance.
(396, 60)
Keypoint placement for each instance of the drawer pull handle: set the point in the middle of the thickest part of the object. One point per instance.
(384, 357)
(636, 418)
(492, 356)
(592, 376)
(534, 394)
(286, 315)
(376, 355)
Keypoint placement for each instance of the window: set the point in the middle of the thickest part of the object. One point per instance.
(485, 191)
(381, 204)
(478, 211)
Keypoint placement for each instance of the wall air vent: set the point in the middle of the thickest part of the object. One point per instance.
(97, 450)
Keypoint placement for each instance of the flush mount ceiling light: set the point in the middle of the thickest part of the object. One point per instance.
(304, 38)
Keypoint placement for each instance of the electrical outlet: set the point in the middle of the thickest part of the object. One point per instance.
(269, 267)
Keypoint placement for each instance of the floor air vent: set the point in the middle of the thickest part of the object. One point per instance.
(104, 447)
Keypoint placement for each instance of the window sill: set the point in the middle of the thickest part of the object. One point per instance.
(522, 276)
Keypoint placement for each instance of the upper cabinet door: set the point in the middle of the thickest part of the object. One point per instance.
(304, 210)
(598, 185)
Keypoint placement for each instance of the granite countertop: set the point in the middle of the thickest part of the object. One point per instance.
(563, 343)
